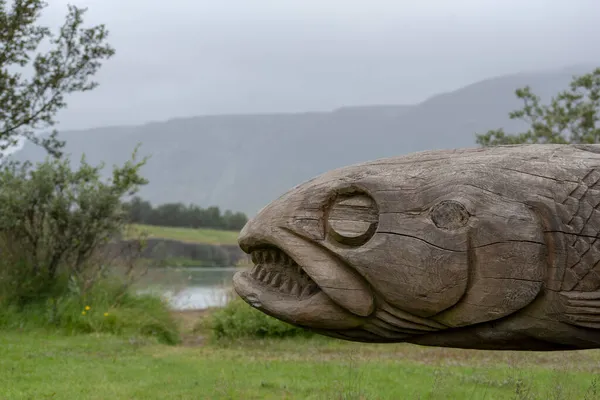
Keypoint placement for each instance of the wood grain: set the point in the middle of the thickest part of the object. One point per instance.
(485, 248)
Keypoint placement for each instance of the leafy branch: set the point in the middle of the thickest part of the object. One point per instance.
(30, 104)
(571, 117)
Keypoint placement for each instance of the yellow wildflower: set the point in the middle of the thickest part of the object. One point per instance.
(83, 313)
(87, 308)
(106, 314)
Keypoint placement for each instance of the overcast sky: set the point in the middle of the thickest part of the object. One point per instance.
(194, 57)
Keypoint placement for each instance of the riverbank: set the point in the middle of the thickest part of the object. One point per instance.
(183, 247)
(187, 235)
(38, 365)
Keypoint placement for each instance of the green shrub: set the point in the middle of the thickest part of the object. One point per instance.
(54, 273)
(238, 320)
(108, 307)
(53, 222)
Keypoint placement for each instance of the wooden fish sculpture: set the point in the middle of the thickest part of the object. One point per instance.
(483, 248)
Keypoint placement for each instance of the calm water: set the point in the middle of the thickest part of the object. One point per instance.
(192, 288)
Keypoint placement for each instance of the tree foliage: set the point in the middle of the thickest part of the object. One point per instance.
(180, 215)
(571, 117)
(28, 104)
(53, 218)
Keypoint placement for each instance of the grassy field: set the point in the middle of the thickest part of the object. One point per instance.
(208, 236)
(42, 366)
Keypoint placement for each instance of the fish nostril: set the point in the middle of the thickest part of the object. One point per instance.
(247, 237)
(243, 244)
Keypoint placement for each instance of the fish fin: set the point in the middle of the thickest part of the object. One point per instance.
(551, 217)
(581, 308)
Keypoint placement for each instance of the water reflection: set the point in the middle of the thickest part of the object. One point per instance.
(191, 288)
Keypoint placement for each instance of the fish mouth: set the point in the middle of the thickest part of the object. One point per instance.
(278, 285)
(275, 270)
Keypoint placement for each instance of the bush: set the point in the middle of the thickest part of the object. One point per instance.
(54, 273)
(107, 308)
(53, 220)
(238, 320)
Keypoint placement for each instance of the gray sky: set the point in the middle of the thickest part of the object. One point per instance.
(194, 57)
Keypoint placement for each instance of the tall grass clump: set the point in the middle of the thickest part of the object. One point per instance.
(238, 320)
(56, 267)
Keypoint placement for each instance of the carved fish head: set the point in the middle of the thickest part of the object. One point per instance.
(390, 249)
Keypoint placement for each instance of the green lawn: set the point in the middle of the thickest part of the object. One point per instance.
(209, 236)
(42, 366)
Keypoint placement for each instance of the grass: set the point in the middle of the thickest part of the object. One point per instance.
(100, 366)
(207, 236)
(237, 320)
(103, 309)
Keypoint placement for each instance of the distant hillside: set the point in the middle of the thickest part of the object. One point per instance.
(241, 162)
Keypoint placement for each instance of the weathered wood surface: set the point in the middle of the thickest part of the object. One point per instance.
(486, 248)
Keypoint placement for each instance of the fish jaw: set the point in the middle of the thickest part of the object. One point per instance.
(300, 282)
(306, 306)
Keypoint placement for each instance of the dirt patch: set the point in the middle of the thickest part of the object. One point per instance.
(187, 321)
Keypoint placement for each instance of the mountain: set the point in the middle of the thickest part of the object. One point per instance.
(242, 162)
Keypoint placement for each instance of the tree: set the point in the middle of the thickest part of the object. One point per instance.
(139, 210)
(75, 55)
(234, 221)
(53, 219)
(180, 215)
(571, 117)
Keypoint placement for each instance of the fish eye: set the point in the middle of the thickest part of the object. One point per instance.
(449, 214)
(352, 219)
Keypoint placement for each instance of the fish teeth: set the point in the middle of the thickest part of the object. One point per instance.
(267, 277)
(283, 285)
(269, 269)
(261, 274)
(306, 291)
(276, 281)
(275, 256)
(295, 290)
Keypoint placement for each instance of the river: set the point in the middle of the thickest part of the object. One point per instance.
(191, 288)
